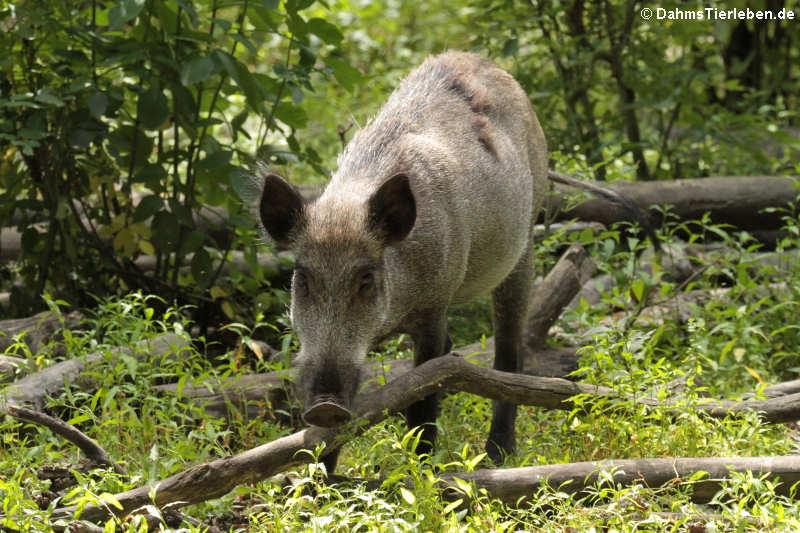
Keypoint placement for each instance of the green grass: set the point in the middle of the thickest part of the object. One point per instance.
(724, 350)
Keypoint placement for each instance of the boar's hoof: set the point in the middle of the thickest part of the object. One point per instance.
(327, 414)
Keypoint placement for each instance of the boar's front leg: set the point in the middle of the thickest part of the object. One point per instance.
(430, 340)
(510, 300)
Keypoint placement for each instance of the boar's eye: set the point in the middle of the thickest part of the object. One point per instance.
(366, 283)
(300, 283)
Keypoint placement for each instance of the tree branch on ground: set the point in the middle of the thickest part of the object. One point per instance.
(88, 446)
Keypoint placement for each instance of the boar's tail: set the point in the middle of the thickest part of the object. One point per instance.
(632, 209)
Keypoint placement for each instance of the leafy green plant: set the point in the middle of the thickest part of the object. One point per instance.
(126, 124)
(665, 99)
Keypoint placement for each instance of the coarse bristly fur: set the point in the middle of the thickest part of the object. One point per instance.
(433, 203)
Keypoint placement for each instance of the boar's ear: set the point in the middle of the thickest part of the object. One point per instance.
(280, 208)
(393, 210)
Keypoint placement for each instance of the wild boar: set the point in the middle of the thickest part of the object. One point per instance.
(433, 204)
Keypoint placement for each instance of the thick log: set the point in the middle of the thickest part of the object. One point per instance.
(515, 484)
(33, 390)
(38, 329)
(446, 373)
(736, 200)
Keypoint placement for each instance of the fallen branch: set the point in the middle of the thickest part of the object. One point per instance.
(35, 388)
(446, 373)
(93, 451)
(513, 484)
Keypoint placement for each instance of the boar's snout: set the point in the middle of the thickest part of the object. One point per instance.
(329, 384)
(327, 412)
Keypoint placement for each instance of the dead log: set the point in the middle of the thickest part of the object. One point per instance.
(736, 200)
(514, 484)
(38, 329)
(445, 373)
(34, 389)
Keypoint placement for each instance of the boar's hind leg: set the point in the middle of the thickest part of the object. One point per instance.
(430, 340)
(510, 300)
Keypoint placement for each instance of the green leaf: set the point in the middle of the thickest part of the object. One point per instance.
(192, 242)
(201, 266)
(153, 176)
(293, 6)
(452, 506)
(325, 30)
(128, 141)
(240, 74)
(124, 11)
(48, 96)
(408, 496)
(182, 212)
(244, 185)
(185, 108)
(214, 161)
(152, 108)
(148, 206)
(165, 230)
(348, 76)
(98, 103)
(291, 115)
(110, 499)
(197, 70)
(638, 288)
(236, 124)
(511, 47)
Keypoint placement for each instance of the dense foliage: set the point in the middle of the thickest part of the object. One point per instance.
(129, 128)
(128, 125)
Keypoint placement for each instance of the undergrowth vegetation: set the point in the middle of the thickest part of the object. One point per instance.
(736, 342)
